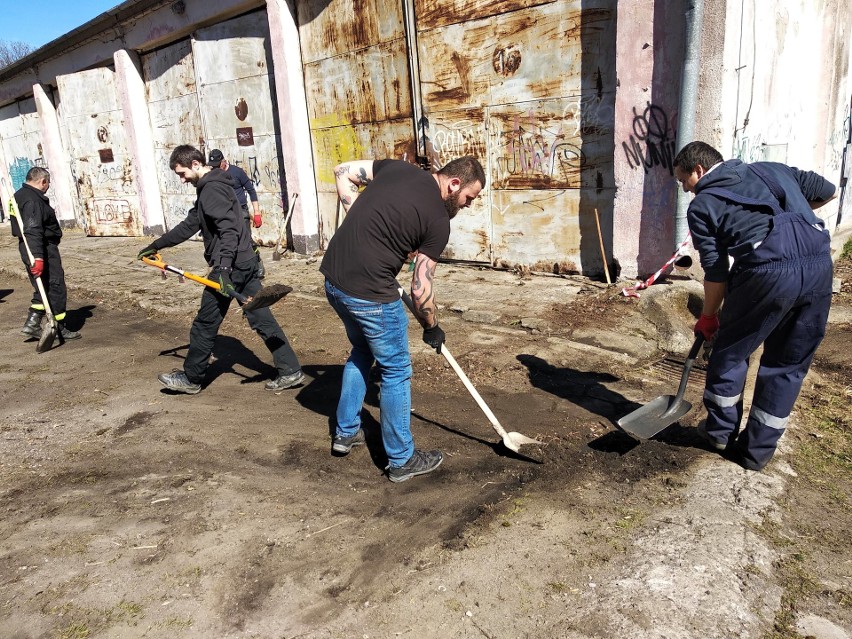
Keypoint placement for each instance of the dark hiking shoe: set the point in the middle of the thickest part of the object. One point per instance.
(420, 463)
(178, 382)
(703, 434)
(66, 334)
(32, 326)
(342, 445)
(286, 381)
(261, 269)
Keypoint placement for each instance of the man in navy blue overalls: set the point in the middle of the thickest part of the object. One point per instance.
(776, 293)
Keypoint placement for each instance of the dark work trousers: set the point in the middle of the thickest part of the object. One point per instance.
(247, 220)
(202, 335)
(53, 278)
(778, 295)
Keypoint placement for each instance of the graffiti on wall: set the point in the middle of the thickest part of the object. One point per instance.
(20, 167)
(109, 211)
(459, 139)
(652, 143)
(749, 148)
(529, 150)
(263, 173)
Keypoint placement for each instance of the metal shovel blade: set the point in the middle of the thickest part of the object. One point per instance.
(650, 419)
(48, 336)
(267, 296)
(514, 441)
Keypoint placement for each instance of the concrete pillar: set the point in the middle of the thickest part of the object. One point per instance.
(64, 198)
(140, 140)
(295, 126)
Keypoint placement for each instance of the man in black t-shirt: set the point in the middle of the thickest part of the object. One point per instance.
(403, 210)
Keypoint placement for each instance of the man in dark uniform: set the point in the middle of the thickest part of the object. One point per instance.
(402, 210)
(243, 187)
(43, 235)
(776, 293)
(227, 249)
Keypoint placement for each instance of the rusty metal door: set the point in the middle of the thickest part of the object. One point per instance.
(524, 85)
(92, 123)
(357, 88)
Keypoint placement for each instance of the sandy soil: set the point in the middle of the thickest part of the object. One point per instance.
(128, 511)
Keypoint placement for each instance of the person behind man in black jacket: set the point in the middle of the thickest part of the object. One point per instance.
(228, 251)
(777, 293)
(43, 235)
(245, 192)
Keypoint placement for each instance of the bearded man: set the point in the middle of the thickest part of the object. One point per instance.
(402, 210)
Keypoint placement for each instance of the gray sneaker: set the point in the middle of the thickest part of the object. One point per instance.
(179, 382)
(342, 445)
(420, 463)
(286, 381)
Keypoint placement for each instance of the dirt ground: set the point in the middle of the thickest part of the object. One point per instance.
(128, 511)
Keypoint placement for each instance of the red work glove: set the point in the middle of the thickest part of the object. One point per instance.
(257, 221)
(707, 325)
(38, 268)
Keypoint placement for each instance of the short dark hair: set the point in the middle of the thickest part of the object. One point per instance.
(467, 169)
(184, 155)
(696, 153)
(37, 173)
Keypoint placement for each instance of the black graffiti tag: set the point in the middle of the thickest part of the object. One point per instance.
(652, 142)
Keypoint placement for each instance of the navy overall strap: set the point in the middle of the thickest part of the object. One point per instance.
(770, 182)
(742, 199)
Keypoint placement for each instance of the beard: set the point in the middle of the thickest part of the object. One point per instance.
(451, 203)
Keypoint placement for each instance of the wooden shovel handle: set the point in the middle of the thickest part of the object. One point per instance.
(461, 374)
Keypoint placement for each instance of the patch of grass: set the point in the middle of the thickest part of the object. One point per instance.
(454, 604)
(74, 631)
(846, 253)
(557, 586)
(177, 622)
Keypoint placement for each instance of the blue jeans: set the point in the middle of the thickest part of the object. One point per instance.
(378, 333)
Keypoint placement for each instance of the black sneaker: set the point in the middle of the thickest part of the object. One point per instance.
(286, 381)
(66, 334)
(703, 434)
(179, 382)
(420, 463)
(261, 269)
(342, 445)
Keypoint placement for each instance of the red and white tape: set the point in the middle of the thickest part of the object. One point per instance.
(680, 252)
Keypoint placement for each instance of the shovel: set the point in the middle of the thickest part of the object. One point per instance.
(282, 238)
(51, 330)
(650, 419)
(512, 441)
(266, 296)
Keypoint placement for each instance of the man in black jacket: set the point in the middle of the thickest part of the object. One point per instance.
(43, 234)
(227, 249)
(777, 293)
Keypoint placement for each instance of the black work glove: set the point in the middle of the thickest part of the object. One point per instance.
(434, 337)
(148, 251)
(222, 276)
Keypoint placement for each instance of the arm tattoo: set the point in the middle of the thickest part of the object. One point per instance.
(423, 277)
(362, 177)
(343, 169)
